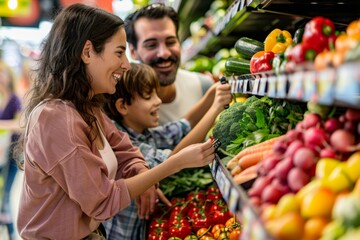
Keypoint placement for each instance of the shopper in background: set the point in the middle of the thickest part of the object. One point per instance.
(134, 108)
(79, 170)
(152, 34)
(10, 107)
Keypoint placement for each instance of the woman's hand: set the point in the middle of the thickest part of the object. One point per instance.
(195, 155)
(146, 203)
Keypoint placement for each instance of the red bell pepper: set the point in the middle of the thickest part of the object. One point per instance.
(303, 52)
(318, 32)
(261, 61)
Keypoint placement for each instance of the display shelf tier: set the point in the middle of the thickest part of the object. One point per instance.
(256, 18)
(238, 202)
(333, 87)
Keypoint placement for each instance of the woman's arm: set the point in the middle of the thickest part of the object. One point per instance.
(196, 155)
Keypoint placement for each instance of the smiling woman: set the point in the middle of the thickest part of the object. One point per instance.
(77, 165)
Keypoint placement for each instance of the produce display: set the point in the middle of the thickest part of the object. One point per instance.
(201, 214)
(305, 175)
(256, 120)
(313, 172)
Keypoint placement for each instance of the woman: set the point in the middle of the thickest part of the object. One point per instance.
(10, 107)
(79, 169)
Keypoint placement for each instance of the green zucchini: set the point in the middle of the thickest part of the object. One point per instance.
(247, 47)
(237, 66)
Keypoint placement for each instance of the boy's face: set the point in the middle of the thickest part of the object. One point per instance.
(143, 112)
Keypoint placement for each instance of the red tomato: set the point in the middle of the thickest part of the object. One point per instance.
(192, 210)
(201, 222)
(182, 221)
(212, 189)
(214, 196)
(158, 235)
(159, 223)
(219, 217)
(198, 197)
(180, 231)
(217, 207)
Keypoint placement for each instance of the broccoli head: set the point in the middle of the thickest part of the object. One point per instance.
(223, 129)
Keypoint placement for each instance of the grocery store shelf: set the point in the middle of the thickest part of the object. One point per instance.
(255, 19)
(238, 202)
(333, 87)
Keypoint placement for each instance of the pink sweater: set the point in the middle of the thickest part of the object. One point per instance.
(66, 190)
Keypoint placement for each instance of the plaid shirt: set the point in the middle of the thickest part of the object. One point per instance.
(156, 145)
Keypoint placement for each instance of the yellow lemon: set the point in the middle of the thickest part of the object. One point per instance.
(287, 203)
(318, 203)
(311, 186)
(325, 166)
(353, 166)
(338, 180)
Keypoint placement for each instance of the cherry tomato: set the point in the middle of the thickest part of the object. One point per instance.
(235, 234)
(206, 238)
(222, 233)
(218, 206)
(191, 237)
(201, 222)
(181, 221)
(212, 189)
(191, 210)
(232, 224)
(216, 227)
(158, 223)
(203, 232)
(219, 217)
(198, 197)
(158, 235)
(214, 196)
(180, 231)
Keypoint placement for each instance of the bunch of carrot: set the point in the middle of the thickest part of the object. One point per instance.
(243, 166)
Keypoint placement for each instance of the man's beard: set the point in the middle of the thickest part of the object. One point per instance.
(165, 79)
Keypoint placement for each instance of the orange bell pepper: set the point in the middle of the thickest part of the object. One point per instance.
(353, 30)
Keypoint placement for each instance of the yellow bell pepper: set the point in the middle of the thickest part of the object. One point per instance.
(278, 40)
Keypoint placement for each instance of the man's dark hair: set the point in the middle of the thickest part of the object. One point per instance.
(152, 11)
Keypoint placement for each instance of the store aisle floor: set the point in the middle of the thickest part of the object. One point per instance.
(15, 197)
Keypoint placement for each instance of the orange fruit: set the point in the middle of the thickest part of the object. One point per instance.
(314, 227)
(318, 203)
(289, 226)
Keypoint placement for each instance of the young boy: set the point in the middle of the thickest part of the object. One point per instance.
(134, 109)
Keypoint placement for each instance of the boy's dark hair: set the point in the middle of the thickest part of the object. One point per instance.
(140, 81)
(152, 11)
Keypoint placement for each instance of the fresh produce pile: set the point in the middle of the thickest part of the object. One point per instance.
(309, 187)
(256, 120)
(201, 214)
(185, 181)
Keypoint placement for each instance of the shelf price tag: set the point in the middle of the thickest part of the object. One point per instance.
(281, 86)
(271, 86)
(263, 85)
(347, 88)
(296, 86)
(245, 86)
(326, 86)
(234, 199)
(310, 90)
(255, 88)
